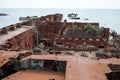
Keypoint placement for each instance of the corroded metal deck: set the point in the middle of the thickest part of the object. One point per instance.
(78, 68)
(36, 75)
(6, 55)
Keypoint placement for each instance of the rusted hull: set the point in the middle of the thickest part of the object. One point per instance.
(24, 36)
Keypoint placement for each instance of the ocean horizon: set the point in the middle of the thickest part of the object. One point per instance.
(105, 17)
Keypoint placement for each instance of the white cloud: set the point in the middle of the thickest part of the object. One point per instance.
(60, 4)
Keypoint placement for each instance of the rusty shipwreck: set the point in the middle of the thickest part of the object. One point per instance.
(47, 48)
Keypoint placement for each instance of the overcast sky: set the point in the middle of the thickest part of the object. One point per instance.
(104, 4)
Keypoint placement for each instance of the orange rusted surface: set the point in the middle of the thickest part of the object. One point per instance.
(6, 55)
(91, 41)
(24, 41)
(52, 30)
(52, 18)
(16, 38)
(81, 68)
(36, 75)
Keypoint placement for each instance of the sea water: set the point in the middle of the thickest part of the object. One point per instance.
(109, 18)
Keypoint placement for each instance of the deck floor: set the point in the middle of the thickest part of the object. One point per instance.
(36, 75)
(80, 68)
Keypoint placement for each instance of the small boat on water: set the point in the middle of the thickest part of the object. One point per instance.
(86, 19)
(73, 16)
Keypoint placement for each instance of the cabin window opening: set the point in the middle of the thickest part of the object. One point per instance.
(101, 47)
(59, 66)
(53, 65)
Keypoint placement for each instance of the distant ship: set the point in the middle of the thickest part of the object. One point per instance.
(73, 16)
